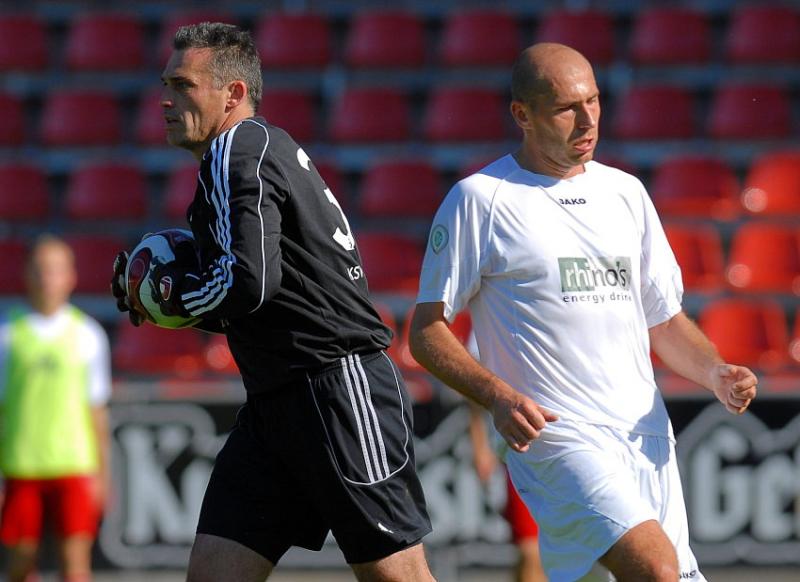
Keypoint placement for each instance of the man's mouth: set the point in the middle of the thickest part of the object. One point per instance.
(584, 145)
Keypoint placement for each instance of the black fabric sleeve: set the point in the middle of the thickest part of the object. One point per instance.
(242, 269)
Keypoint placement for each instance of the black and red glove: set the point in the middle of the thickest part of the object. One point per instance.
(119, 291)
(169, 280)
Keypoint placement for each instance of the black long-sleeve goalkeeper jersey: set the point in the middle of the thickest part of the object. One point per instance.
(280, 265)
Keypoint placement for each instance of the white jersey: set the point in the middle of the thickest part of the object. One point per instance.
(563, 278)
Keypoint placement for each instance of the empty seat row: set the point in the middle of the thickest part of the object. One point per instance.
(763, 258)
(452, 113)
(684, 187)
(112, 41)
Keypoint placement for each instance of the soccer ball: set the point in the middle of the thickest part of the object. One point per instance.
(155, 249)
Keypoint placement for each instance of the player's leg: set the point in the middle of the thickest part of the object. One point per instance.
(216, 559)
(253, 510)
(76, 515)
(367, 487)
(407, 565)
(75, 556)
(643, 554)
(525, 534)
(22, 560)
(529, 562)
(21, 527)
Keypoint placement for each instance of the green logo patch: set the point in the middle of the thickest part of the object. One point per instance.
(439, 238)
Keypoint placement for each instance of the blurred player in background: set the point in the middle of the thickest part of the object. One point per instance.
(55, 382)
(570, 281)
(524, 531)
(324, 442)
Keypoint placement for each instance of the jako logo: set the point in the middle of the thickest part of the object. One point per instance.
(579, 274)
(570, 201)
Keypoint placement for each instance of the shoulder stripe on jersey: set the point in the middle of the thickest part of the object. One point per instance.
(212, 293)
(260, 217)
(215, 290)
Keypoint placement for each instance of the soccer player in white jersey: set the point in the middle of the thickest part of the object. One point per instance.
(570, 282)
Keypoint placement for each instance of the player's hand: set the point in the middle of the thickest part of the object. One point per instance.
(166, 288)
(119, 292)
(734, 386)
(169, 279)
(519, 419)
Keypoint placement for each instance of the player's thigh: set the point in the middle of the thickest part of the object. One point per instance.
(643, 554)
(216, 559)
(408, 565)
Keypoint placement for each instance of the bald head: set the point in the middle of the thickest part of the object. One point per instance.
(541, 66)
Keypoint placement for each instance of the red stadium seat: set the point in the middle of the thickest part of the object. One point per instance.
(218, 356)
(12, 122)
(695, 186)
(698, 250)
(794, 342)
(23, 42)
(107, 190)
(668, 35)
(410, 188)
(751, 111)
(385, 38)
(388, 317)
(479, 38)
(105, 42)
(655, 112)
(335, 181)
(457, 114)
(763, 34)
(765, 257)
(748, 333)
(12, 267)
(174, 19)
(150, 128)
(370, 115)
(23, 193)
(772, 185)
(80, 118)
(588, 31)
(292, 41)
(148, 349)
(94, 257)
(179, 191)
(291, 110)
(391, 261)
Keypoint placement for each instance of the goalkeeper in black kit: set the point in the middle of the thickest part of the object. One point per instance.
(324, 441)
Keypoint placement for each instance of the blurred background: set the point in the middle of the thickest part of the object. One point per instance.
(395, 101)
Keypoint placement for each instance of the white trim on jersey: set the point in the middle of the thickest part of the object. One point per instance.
(214, 291)
(260, 217)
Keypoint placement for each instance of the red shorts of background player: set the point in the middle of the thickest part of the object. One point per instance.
(519, 518)
(67, 503)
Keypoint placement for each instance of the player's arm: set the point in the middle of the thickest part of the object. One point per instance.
(242, 271)
(684, 348)
(434, 346)
(100, 426)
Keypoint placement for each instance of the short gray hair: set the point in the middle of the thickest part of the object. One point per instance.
(234, 54)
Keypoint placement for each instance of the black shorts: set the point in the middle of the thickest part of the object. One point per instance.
(334, 453)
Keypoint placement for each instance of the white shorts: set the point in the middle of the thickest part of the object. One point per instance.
(586, 485)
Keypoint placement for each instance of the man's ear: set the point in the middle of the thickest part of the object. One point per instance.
(237, 93)
(521, 114)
